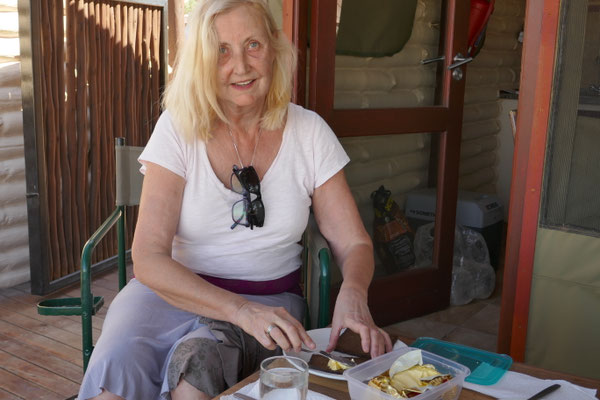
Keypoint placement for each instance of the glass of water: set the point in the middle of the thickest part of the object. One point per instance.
(283, 378)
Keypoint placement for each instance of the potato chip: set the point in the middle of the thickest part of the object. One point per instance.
(409, 376)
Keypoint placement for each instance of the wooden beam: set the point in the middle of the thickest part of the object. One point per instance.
(537, 70)
(381, 121)
(295, 25)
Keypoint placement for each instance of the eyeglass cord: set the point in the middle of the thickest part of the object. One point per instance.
(236, 148)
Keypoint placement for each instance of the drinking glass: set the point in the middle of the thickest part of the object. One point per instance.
(283, 378)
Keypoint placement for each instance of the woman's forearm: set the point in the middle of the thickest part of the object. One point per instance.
(184, 289)
(357, 267)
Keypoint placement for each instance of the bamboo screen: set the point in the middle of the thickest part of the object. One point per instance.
(101, 76)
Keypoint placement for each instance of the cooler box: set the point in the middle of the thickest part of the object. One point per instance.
(478, 211)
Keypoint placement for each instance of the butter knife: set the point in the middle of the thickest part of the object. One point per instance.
(242, 396)
(347, 361)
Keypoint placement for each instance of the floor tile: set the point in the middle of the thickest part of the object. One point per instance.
(487, 320)
(422, 326)
(495, 299)
(470, 337)
(456, 315)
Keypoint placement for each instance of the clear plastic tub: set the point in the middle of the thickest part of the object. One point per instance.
(358, 377)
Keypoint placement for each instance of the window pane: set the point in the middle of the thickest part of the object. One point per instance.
(572, 195)
(379, 53)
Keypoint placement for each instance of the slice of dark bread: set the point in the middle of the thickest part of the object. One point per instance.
(319, 362)
(349, 343)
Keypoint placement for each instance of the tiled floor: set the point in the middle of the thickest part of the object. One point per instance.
(474, 324)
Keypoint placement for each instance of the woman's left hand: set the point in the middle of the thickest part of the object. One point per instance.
(340, 223)
(351, 311)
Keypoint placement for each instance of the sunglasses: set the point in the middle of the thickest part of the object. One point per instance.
(247, 212)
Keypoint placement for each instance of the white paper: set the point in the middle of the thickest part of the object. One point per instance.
(517, 386)
(252, 390)
(406, 361)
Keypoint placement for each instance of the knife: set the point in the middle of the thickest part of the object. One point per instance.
(348, 361)
(242, 396)
(544, 392)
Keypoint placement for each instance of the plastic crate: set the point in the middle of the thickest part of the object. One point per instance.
(450, 390)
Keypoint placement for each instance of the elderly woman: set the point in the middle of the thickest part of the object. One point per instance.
(231, 171)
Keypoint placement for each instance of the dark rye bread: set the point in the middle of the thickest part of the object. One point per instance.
(319, 363)
(349, 343)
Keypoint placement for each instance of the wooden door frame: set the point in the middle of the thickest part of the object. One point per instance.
(362, 122)
(295, 26)
(535, 92)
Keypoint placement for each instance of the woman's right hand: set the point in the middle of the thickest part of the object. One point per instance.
(286, 332)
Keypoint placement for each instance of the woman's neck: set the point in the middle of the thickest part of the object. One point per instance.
(244, 119)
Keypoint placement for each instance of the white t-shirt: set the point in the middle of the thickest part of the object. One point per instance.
(309, 155)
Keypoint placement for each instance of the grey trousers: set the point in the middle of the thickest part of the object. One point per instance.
(141, 332)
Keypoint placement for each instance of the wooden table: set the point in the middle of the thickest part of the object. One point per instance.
(339, 389)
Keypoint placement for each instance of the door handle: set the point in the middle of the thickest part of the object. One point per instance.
(459, 60)
(432, 60)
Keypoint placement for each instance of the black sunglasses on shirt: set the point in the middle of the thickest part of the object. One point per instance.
(247, 211)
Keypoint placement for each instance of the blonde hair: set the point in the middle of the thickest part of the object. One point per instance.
(191, 96)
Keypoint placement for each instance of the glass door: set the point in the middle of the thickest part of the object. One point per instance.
(403, 106)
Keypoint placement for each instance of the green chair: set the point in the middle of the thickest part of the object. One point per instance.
(317, 277)
(128, 190)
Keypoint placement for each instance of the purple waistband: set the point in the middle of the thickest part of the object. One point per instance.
(289, 283)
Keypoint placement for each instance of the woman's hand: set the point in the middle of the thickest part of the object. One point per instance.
(340, 223)
(286, 331)
(351, 311)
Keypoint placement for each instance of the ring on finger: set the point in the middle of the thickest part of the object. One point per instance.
(269, 329)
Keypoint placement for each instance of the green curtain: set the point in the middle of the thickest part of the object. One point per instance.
(375, 28)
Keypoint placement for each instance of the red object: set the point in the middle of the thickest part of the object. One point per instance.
(478, 18)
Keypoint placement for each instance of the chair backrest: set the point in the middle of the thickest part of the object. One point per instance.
(129, 178)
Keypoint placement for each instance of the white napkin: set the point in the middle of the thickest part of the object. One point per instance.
(514, 385)
(252, 390)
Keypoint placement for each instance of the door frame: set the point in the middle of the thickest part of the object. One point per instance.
(535, 92)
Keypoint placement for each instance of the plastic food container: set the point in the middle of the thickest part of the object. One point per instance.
(359, 376)
(486, 368)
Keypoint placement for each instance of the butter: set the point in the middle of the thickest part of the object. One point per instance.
(336, 366)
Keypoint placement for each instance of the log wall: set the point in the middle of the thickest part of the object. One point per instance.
(14, 241)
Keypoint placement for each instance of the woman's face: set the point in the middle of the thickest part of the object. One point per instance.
(245, 63)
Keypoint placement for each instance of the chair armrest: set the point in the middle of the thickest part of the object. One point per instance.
(86, 303)
(88, 249)
(86, 279)
(318, 275)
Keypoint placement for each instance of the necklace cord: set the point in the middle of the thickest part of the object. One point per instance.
(236, 148)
